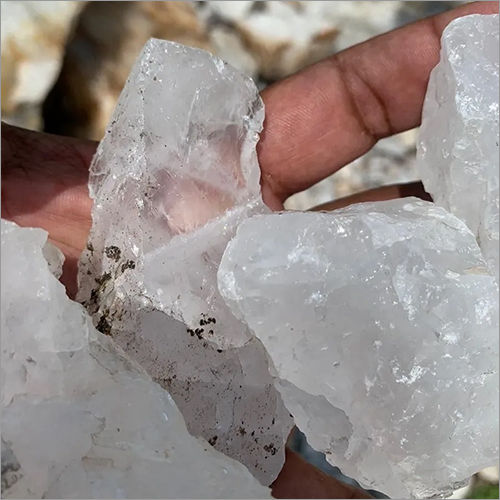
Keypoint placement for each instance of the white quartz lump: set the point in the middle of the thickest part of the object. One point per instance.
(457, 153)
(79, 420)
(171, 180)
(382, 323)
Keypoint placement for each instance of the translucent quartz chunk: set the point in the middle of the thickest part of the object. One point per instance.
(457, 152)
(173, 177)
(382, 323)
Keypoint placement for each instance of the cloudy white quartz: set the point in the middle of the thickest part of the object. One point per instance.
(382, 323)
(79, 419)
(457, 152)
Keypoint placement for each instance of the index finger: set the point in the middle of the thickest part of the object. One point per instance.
(332, 112)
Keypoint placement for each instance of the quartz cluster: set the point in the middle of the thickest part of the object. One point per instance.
(457, 154)
(376, 326)
(79, 419)
(382, 323)
(175, 174)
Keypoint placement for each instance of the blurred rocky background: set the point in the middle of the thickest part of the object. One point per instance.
(65, 63)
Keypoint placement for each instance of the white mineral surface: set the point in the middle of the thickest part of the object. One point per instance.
(382, 323)
(458, 148)
(175, 174)
(79, 419)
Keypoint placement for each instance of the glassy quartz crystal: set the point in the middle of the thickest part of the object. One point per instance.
(79, 419)
(458, 148)
(382, 323)
(173, 177)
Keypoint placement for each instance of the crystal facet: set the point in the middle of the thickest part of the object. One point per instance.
(382, 323)
(79, 419)
(457, 153)
(175, 174)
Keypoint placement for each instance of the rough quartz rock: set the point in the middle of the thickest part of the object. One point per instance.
(458, 147)
(382, 323)
(175, 174)
(79, 419)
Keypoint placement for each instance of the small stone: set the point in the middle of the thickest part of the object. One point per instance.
(79, 419)
(283, 37)
(382, 324)
(457, 152)
(172, 179)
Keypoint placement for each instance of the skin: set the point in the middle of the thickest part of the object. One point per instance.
(340, 108)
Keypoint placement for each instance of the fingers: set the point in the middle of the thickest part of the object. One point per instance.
(299, 479)
(334, 111)
(378, 194)
(22, 148)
